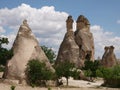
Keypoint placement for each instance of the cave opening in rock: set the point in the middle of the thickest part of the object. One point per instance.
(88, 55)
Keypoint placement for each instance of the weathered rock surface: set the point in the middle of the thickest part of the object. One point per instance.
(78, 46)
(69, 50)
(25, 48)
(84, 39)
(109, 58)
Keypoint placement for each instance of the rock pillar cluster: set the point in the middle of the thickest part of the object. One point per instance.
(109, 58)
(77, 46)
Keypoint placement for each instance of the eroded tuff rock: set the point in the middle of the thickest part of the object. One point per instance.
(79, 46)
(25, 48)
(84, 38)
(69, 50)
(109, 58)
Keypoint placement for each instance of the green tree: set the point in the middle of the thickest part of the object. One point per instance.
(3, 41)
(64, 69)
(37, 73)
(49, 53)
(91, 67)
(5, 54)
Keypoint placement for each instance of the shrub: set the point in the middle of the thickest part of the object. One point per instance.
(12, 87)
(111, 75)
(91, 67)
(37, 73)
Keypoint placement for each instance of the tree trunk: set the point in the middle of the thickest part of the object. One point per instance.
(67, 81)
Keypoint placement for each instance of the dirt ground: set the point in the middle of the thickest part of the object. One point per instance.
(73, 85)
(19, 87)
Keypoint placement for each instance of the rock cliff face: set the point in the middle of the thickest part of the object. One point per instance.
(77, 46)
(109, 58)
(25, 48)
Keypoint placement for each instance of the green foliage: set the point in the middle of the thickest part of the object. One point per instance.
(116, 72)
(88, 73)
(2, 68)
(111, 75)
(12, 87)
(91, 67)
(49, 53)
(104, 72)
(99, 73)
(75, 73)
(3, 41)
(49, 88)
(38, 73)
(64, 69)
(5, 54)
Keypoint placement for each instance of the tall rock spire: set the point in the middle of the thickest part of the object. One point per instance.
(69, 50)
(84, 38)
(25, 48)
(69, 23)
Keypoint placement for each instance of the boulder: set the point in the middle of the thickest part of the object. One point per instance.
(109, 58)
(25, 48)
(84, 39)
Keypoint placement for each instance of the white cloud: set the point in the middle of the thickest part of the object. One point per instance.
(49, 27)
(46, 23)
(2, 30)
(102, 39)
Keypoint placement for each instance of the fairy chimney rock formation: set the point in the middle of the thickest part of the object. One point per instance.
(69, 50)
(69, 23)
(79, 45)
(84, 38)
(25, 48)
(83, 23)
(109, 58)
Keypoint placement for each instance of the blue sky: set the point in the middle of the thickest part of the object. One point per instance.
(103, 15)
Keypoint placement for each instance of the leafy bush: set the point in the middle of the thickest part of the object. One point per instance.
(111, 75)
(88, 73)
(12, 87)
(37, 73)
(75, 73)
(49, 88)
(90, 68)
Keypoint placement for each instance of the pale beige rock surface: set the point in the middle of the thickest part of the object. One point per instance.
(25, 48)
